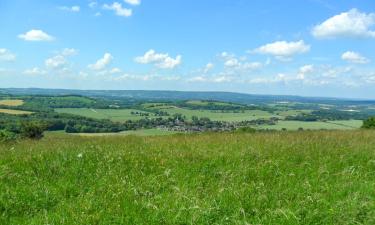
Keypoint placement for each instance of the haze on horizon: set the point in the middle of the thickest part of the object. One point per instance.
(307, 47)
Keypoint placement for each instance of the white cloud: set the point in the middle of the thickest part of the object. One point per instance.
(119, 10)
(102, 63)
(35, 71)
(283, 49)
(93, 4)
(69, 52)
(6, 55)
(347, 24)
(208, 67)
(55, 62)
(133, 2)
(115, 70)
(161, 60)
(36, 35)
(354, 57)
(304, 70)
(234, 64)
(75, 8)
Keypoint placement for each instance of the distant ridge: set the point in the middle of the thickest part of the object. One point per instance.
(183, 95)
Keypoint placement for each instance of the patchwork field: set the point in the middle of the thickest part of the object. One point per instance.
(310, 177)
(11, 102)
(15, 112)
(116, 115)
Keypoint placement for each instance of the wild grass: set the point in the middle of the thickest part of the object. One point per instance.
(310, 177)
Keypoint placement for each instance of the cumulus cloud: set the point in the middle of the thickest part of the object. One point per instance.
(75, 8)
(238, 64)
(55, 62)
(69, 52)
(347, 24)
(304, 70)
(36, 35)
(35, 71)
(161, 60)
(354, 57)
(6, 55)
(118, 9)
(102, 63)
(133, 2)
(208, 67)
(283, 50)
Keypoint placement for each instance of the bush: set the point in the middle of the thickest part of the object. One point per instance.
(369, 123)
(32, 130)
(7, 136)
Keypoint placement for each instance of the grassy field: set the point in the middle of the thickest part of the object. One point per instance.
(330, 125)
(15, 112)
(311, 177)
(116, 115)
(11, 102)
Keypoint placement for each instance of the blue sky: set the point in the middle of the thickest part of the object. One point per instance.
(297, 47)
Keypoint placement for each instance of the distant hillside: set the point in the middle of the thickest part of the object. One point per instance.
(184, 95)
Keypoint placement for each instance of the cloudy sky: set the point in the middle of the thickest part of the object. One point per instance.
(298, 47)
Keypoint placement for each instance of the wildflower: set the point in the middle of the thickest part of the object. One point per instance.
(80, 155)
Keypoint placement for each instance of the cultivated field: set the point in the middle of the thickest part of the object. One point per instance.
(310, 177)
(11, 102)
(15, 112)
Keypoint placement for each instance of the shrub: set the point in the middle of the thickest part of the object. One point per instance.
(32, 130)
(369, 123)
(6, 136)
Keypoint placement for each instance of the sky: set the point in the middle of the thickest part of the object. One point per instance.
(289, 47)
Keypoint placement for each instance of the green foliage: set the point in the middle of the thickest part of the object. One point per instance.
(32, 130)
(6, 136)
(369, 123)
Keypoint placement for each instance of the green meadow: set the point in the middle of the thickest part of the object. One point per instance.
(309, 177)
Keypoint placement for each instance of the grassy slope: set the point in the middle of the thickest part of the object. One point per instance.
(321, 177)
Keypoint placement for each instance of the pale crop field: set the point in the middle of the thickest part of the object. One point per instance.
(15, 112)
(11, 102)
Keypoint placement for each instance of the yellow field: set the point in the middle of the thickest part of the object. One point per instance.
(14, 112)
(11, 102)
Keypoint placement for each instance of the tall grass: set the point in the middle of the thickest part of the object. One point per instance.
(312, 177)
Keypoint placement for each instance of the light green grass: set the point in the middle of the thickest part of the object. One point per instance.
(320, 177)
(330, 125)
(116, 115)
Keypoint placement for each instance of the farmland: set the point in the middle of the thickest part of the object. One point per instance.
(328, 125)
(11, 102)
(309, 177)
(14, 112)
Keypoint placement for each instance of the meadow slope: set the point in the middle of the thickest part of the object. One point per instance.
(310, 177)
